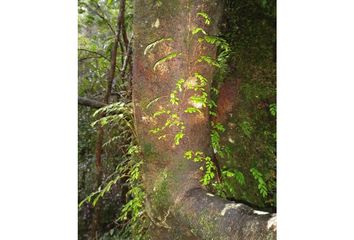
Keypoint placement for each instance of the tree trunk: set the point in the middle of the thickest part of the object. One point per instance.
(100, 134)
(177, 203)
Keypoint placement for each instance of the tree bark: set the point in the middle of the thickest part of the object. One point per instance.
(178, 205)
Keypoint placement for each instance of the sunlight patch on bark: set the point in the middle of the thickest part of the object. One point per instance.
(156, 24)
(272, 222)
(229, 206)
(259, 212)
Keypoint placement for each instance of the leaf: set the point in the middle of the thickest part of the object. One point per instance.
(153, 45)
(178, 137)
(201, 78)
(212, 113)
(209, 60)
(173, 98)
(219, 127)
(158, 113)
(246, 128)
(164, 59)
(188, 154)
(152, 102)
(205, 16)
(192, 110)
(197, 30)
(179, 84)
(273, 109)
(240, 177)
(228, 173)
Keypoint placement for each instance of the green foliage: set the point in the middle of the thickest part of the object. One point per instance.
(262, 186)
(273, 109)
(173, 98)
(231, 178)
(201, 78)
(206, 17)
(216, 131)
(166, 58)
(151, 46)
(200, 99)
(172, 120)
(178, 137)
(246, 128)
(208, 165)
(209, 60)
(192, 110)
(179, 84)
(162, 111)
(249, 42)
(197, 30)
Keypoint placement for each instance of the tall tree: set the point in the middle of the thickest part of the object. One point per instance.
(172, 75)
(100, 134)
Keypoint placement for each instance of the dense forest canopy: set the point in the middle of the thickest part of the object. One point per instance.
(140, 114)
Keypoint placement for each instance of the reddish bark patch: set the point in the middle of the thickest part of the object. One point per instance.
(227, 100)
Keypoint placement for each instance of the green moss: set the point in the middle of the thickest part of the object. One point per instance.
(207, 224)
(148, 149)
(161, 194)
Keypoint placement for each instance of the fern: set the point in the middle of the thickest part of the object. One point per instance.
(262, 186)
(206, 17)
(178, 137)
(166, 58)
(153, 45)
(209, 60)
(192, 110)
(173, 98)
(197, 30)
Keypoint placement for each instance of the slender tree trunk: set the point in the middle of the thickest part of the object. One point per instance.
(100, 134)
(177, 203)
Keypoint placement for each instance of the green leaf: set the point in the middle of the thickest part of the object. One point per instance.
(203, 80)
(158, 113)
(173, 98)
(178, 137)
(166, 58)
(153, 45)
(219, 127)
(240, 177)
(209, 60)
(188, 154)
(152, 102)
(206, 17)
(273, 109)
(192, 110)
(228, 173)
(179, 84)
(197, 30)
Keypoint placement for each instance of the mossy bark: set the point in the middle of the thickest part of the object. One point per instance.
(178, 205)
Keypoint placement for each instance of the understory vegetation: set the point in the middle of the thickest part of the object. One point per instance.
(242, 108)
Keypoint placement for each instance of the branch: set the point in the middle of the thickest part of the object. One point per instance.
(98, 14)
(93, 52)
(103, 17)
(127, 57)
(90, 102)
